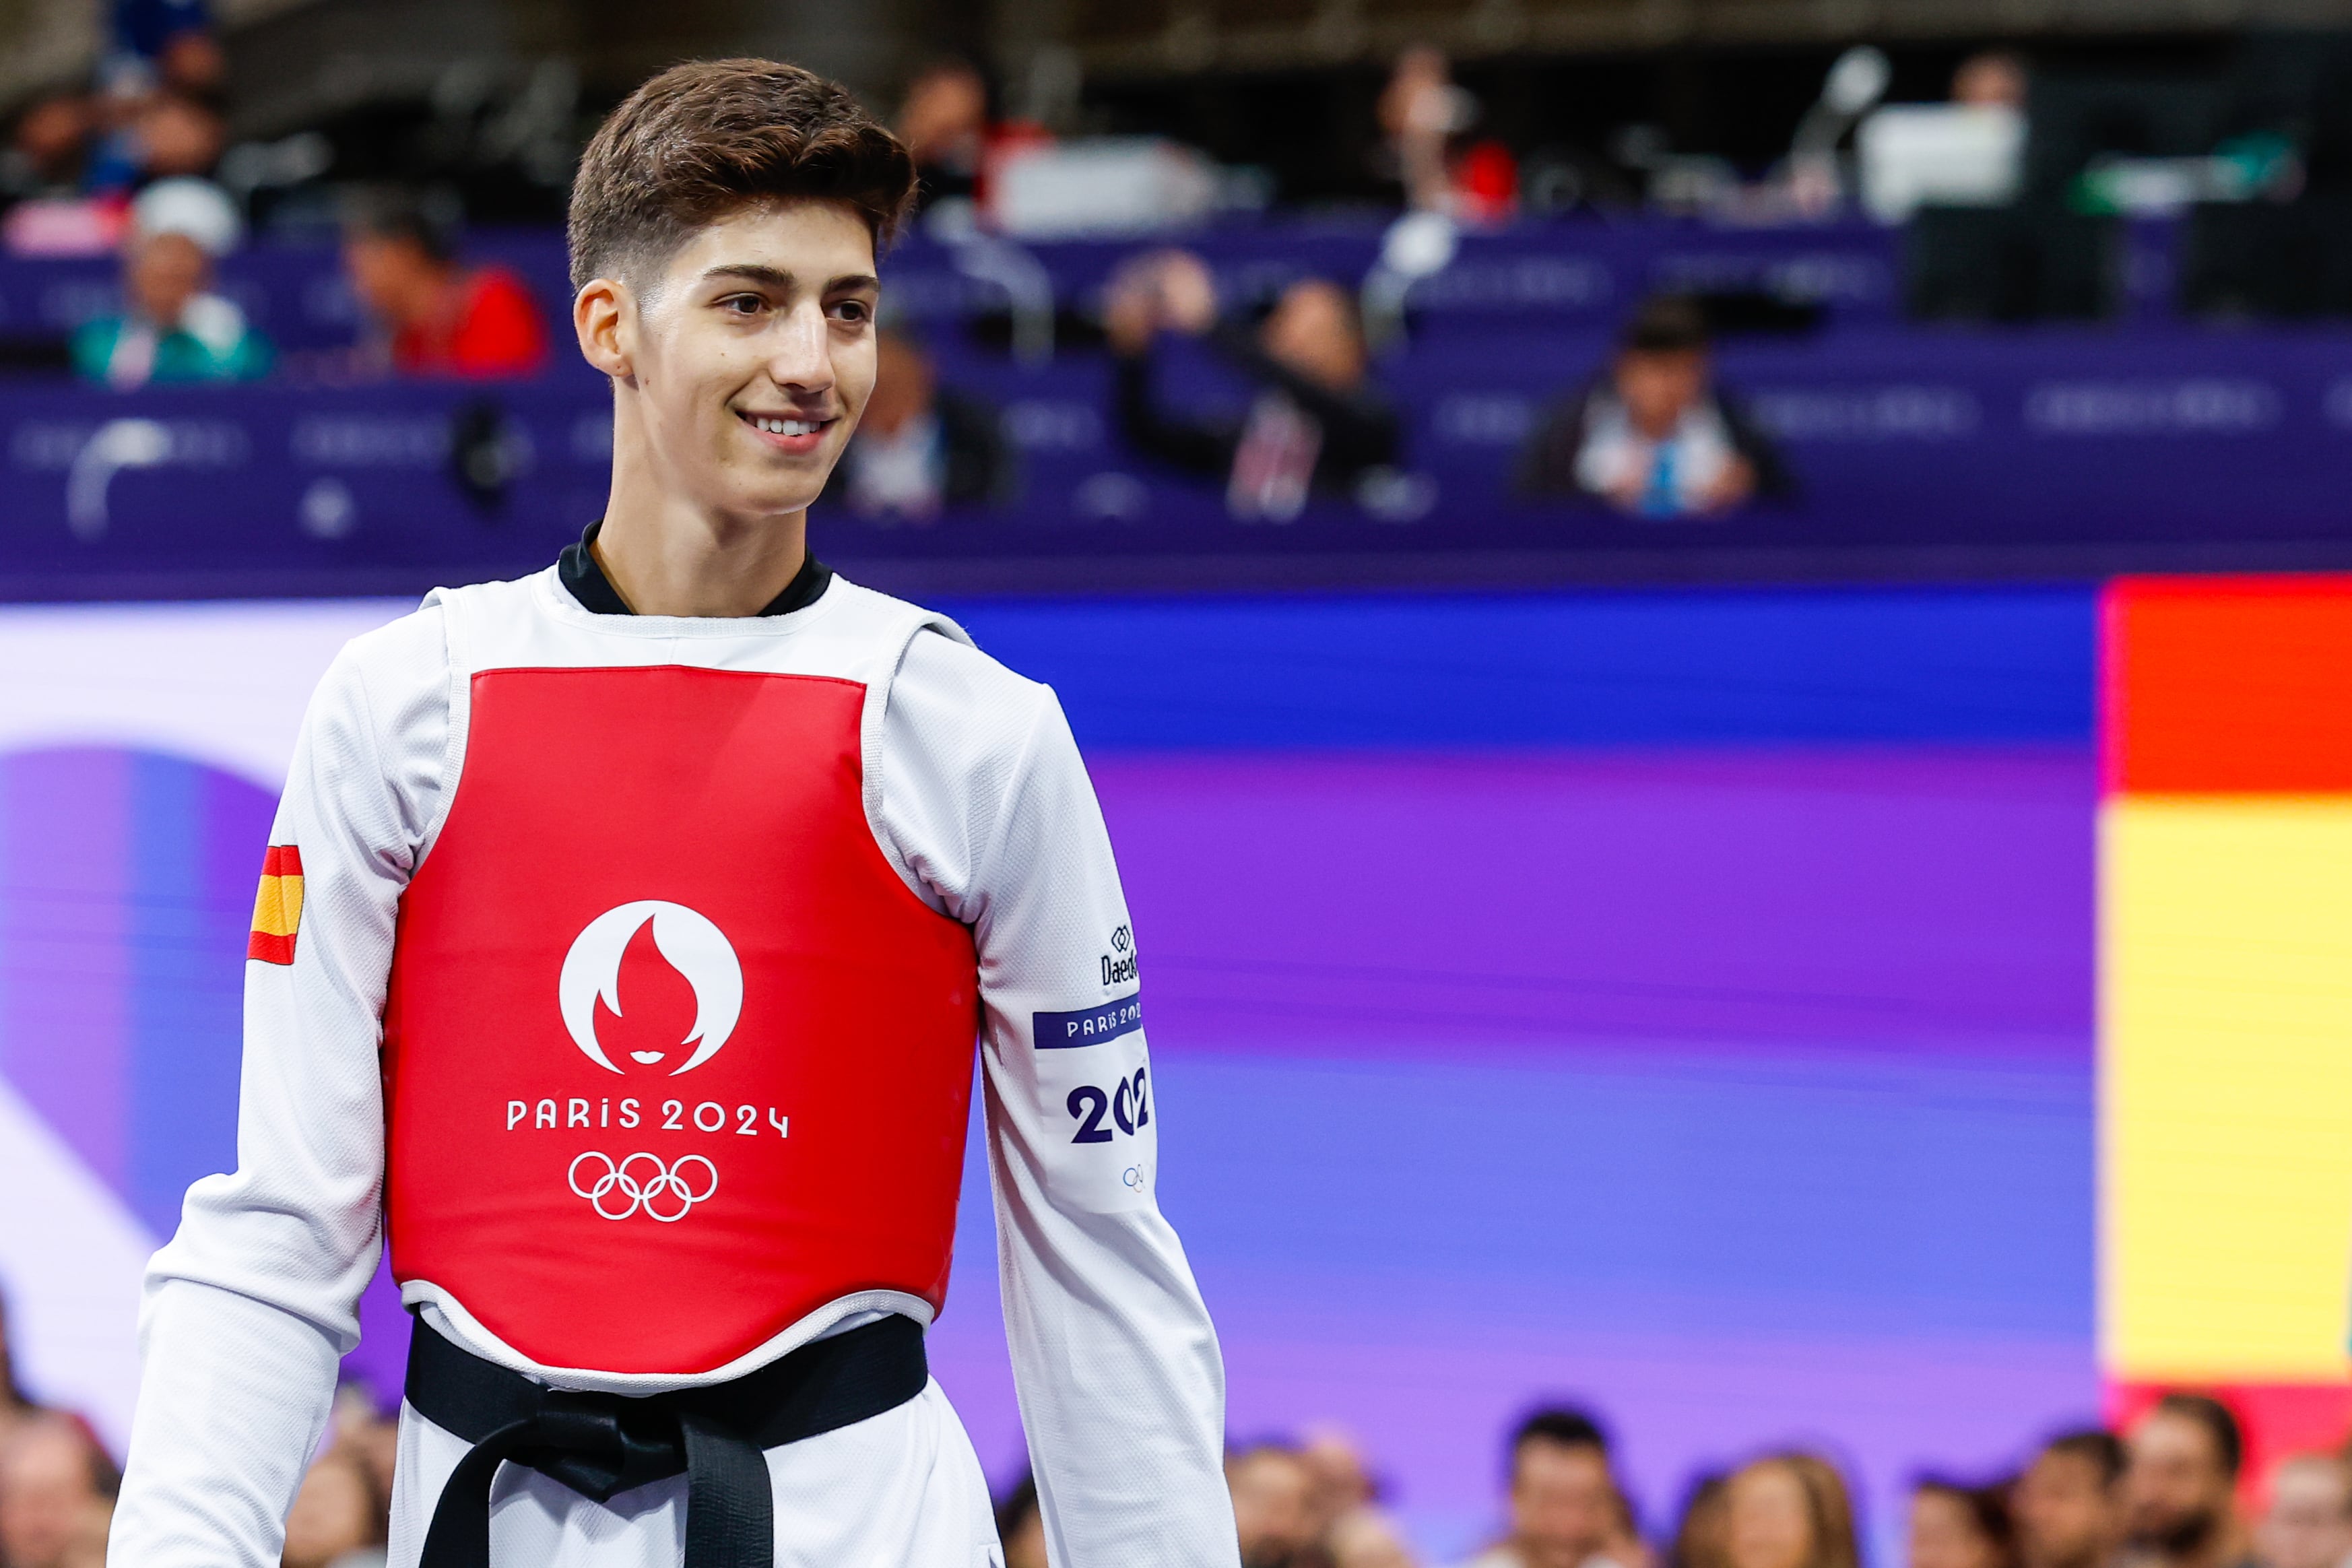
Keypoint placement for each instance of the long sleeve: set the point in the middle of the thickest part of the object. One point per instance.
(1121, 1384)
(251, 1304)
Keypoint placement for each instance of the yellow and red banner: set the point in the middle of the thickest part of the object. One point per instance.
(2226, 997)
(278, 906)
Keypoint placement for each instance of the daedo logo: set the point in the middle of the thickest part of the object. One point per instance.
(692, 945)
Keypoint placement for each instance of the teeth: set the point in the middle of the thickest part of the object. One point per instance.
(784, 427)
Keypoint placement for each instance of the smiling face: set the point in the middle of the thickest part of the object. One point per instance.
(743, 365)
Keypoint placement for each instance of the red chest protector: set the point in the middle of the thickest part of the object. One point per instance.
(672, 1055)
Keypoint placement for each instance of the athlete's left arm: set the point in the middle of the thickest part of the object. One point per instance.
(1122, 1388)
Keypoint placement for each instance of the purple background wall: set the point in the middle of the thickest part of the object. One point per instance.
(1679, 1002)
(1748, 1098)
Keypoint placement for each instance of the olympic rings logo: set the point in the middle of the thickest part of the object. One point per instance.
(664, 1193)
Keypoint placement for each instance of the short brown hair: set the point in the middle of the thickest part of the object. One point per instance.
(710, 137)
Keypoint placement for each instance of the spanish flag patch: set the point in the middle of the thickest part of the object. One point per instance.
(277, 907)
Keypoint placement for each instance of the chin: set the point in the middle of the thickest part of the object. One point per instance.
(765, 492)
(776, 502)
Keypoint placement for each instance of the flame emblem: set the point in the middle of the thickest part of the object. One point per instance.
(694, 947)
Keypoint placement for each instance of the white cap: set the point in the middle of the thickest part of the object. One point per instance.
(185, 206)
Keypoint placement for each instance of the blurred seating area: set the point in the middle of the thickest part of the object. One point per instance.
(1121, 351)
(406, 406)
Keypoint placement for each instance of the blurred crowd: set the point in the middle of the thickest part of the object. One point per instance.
(121, 166)
(58, 1484)
(132, 165)
(2170, 1491)
(155, 112)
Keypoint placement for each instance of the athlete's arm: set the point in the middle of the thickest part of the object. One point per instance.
(252, 1303)
(1122, 1389)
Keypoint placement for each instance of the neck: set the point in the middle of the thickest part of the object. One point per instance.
(2224, 1545)
(667, 556)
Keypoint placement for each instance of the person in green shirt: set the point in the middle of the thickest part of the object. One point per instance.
(174, 328)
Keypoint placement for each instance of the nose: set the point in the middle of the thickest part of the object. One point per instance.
(799, 357)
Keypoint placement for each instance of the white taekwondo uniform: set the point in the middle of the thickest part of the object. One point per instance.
(528, 1227)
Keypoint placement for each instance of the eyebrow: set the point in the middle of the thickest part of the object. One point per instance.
(777, 278)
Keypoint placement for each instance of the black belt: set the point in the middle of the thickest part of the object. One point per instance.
(601, 1444)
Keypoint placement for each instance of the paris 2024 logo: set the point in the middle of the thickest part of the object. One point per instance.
(644, 1183)
(695, 947)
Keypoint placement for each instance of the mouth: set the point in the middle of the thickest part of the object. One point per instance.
(796, 434)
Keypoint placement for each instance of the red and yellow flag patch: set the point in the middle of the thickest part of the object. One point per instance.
(277, 907)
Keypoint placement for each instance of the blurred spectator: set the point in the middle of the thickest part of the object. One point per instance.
(175, 136)
(2068, 1502)
(42, 176)
(1342, 1484)
(1788, 1510)
(2181, 1486)
(944, 123)
(146, 29)
(152, 128)
(1956, 1526)
(1344, 1505)
(337, 1518)
(1316, 422)
(174, 328)
(2309, 1521)
(1365, 1539)
(1423, 113)
(434, 317)
(57, 1490)
(1991, 79)
(1021, 1527)
(1274, 1507)
(1700, 1535)
(46, 151)
(361, 1430)
(1655, 436)
(1420, 110)
(921, 447)
(193, 64)
(1563, 1497)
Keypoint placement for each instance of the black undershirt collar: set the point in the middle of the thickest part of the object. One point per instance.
(585, 581)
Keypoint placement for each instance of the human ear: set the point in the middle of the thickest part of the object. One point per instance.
(604, 320)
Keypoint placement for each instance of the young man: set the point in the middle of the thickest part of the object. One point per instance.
(2068, 1502)
(1654, 436)
(625, 935)
(2180, 1487)
(435, 316)
(1564, 1498)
